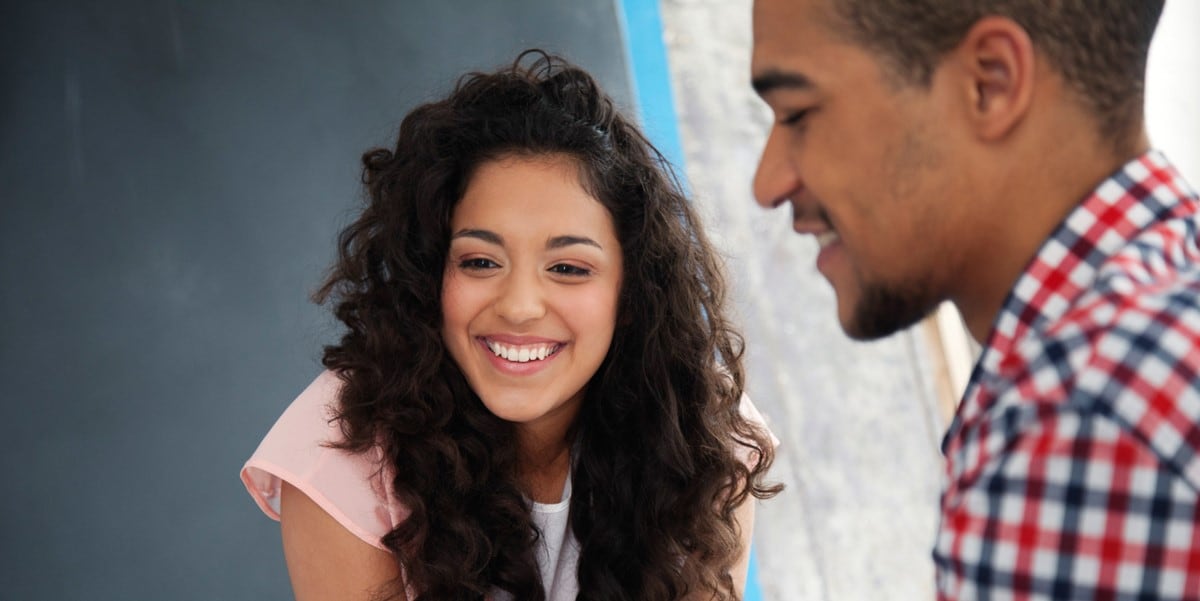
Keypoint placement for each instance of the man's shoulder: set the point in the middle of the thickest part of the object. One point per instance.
(1127, 316)
(1144, 299)
(1144, 304)
(1128, 350)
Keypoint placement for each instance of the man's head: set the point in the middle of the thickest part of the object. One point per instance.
(1099, 47)
(909, 131)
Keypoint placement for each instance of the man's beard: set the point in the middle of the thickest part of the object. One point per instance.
(884, 310)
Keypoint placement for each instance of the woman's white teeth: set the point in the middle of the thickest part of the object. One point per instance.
(826, 238)
(522, 354)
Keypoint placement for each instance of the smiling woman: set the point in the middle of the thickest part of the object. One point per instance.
(538, 394)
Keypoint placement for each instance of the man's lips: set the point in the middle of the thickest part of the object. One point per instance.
(831, 251)
(821, 229)
(827, 238)
(811, 219)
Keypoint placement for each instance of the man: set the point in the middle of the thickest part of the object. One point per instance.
(993, 153)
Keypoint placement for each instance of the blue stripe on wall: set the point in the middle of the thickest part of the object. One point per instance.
(646, 55)
(753, 589)
(647, 58)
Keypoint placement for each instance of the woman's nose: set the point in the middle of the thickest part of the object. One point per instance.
(521, 299)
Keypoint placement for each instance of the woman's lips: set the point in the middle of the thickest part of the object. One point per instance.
(520, 355)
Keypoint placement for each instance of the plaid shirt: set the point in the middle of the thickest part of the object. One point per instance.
(1072, 463)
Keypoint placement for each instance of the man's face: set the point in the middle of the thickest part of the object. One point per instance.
(865, 163)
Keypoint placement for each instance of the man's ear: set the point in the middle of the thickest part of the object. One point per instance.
(997, 59)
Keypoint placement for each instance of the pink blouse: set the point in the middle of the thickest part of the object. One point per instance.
(354, 489)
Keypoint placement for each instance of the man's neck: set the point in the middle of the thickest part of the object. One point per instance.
(1035, 195)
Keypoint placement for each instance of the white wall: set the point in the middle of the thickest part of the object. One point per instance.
(1173, 87)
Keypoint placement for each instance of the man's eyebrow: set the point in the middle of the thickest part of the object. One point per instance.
(485, 235)
(774, 79)
(562, 241)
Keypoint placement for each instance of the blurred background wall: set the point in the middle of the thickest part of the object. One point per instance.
(173, 175)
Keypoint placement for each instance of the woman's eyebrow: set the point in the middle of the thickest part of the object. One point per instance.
(553, 243)
(563, 241)
(485, 235)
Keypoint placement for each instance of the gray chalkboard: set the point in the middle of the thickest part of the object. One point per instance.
(172, 177)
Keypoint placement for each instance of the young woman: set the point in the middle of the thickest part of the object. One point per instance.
(538, 394)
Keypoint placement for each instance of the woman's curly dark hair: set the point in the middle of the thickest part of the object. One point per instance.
(659, 463)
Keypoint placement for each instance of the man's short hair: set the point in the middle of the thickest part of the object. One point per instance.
(1098, 46)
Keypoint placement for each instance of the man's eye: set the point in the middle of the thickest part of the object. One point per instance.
(477, 264)
(565, 269)
(794, 118)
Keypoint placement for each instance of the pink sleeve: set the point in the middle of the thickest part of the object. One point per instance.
(351, 488)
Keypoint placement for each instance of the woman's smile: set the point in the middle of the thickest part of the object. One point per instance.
(520, 359)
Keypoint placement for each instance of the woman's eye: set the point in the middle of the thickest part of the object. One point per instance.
(477, 264)
(566, 269)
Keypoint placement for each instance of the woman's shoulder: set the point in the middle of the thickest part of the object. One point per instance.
(748, 450)
(353, 488)
(749, 411)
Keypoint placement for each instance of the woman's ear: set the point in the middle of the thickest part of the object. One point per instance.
(997, 64)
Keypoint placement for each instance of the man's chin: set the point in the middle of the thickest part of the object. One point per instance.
(881, 312)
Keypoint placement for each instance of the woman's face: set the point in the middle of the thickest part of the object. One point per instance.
(529, 298)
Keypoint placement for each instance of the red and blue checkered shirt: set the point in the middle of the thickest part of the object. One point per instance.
(1073, 463)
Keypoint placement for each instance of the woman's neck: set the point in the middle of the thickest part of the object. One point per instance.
(543, 469)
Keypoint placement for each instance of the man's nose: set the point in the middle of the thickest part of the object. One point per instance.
(776, 178)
